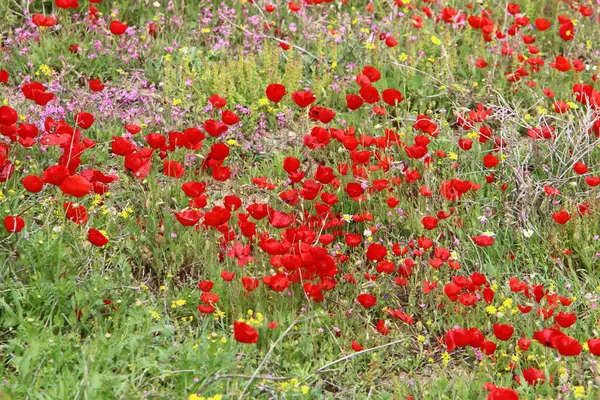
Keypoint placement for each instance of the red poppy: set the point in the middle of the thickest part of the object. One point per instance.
(561, 217)
(367, 300)
(594, 346)
(376, 252)
(244, 333)
(96, 237)
(77, 186)
(503, 331)
(229, 117)
(542, 24)
(217, 101)
(33, 183)
(84, 120)
(483, 240)
(42, 20)
(188, 217)
(392, 97)
(117, 27)
(356, 346)
(8, 115)
(303, 98)
(14, 223)
(96, 85)
(565, 320)
(275, 92)
(173, 169)
(502, 394)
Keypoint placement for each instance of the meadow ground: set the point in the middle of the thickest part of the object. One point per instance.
(387, 199)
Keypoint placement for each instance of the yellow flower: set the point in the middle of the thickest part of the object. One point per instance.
(178, 303)
(491, 310)
(194, 396)
(46, 70)
(578, 392)
(445, 358)
(263, 102)
(435, 40)
(452, 156)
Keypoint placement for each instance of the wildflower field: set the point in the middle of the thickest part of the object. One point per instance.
(312, 199)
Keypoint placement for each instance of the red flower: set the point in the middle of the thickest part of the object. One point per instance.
(117, 27)
(490, 161)
(390, 41)
(76, 186)
(354, 101)
(567, 31)
(503, 331)
(275, 92)
(542, 24)
(562, 64)
(372, 73)
(227, 276)
(244, 333)
(503, 394)
(565, 320)
(42, 20)
(594, 346)
(369, 94)
(188, 217)
(580, 168)
(8, 115)
(33, 183)
(84, 120)
(217, 101)
(429, 222)
(356, 346)
(354, 189)
(561, 217)
(567, 346)
(96, 238)
(481, 63)
(173, 169)
(14, 223)
(96, 85)
(483, 240)
(376, 252)
(303, 99)
(367, 300)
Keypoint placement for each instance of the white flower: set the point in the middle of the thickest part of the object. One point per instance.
(527, 233)
(367, 233)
